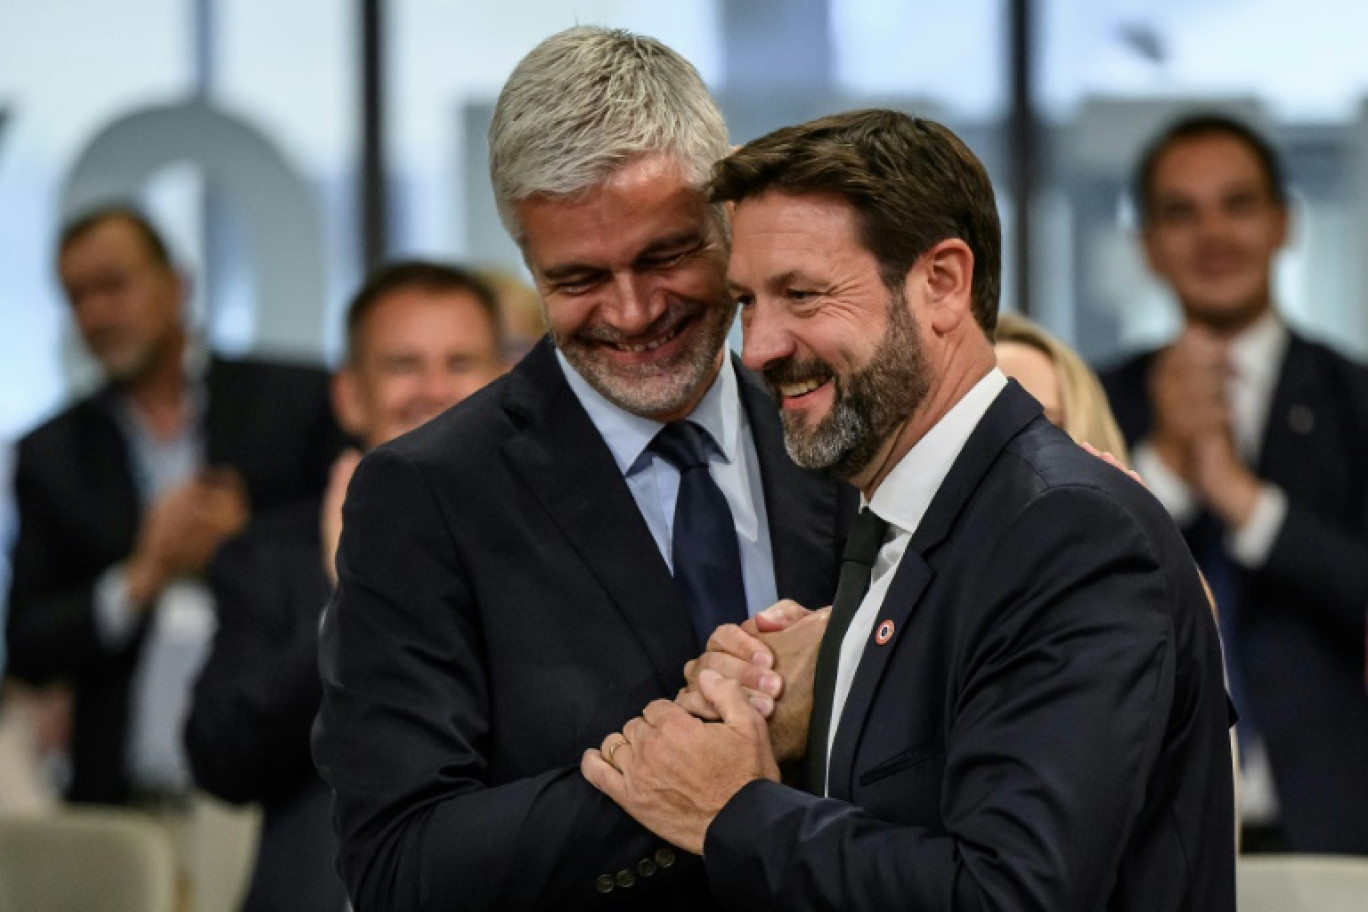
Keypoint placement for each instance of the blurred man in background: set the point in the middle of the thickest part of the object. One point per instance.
(1256, 440)
(420, 338)
(124, 498)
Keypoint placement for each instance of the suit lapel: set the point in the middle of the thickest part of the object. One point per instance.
(1298, 395)
(802, 507)
(105, 474)
(1010, 412)
(564, 461)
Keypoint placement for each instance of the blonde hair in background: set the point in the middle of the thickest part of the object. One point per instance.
(521, 315)
(1087, 414)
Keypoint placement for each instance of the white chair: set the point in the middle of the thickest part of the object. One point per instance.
(1301, 883)
(74, 860)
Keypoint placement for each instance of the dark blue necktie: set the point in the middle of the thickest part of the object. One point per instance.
(857, 568)
(706, 556)
(1207, 540)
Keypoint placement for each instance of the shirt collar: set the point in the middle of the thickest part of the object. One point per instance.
(905, 494)
(195, 362)
(1256, 353)
(628, 435)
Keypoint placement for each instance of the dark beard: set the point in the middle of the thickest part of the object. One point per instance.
(869, 405)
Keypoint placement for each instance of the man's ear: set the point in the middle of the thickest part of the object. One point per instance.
(349, 404)
(944, 276)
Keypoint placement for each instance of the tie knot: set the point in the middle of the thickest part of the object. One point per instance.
(683, 445)
(866, 537)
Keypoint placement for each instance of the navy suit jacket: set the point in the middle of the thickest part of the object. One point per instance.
(501, 609)
(1045, 729)
(79, 513)
(1299, 634)
(247, 734)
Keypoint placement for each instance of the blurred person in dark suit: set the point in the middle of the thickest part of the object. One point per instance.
(420, 337)
(124, 497)
(1255, 439)
(522, 574)
(1018, 700)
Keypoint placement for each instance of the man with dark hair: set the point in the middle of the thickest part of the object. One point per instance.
(420, 337)
(523, 574)
(1018, 701)
(124, 498)
(1253, 437)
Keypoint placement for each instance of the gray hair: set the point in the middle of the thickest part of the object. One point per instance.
(587, 100)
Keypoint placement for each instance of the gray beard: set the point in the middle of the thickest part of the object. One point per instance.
(869, 405)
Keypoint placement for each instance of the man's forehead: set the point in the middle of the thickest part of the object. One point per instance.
(113, 239)
(1205, 161)
(613, 221)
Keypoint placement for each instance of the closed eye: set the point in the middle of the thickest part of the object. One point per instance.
(665, 262)
(575, 285)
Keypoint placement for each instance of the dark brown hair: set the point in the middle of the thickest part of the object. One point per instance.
(124, 212)
(1197, 126)
(911, 182)
(421, 275)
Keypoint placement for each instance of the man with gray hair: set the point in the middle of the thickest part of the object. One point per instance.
(523, 574)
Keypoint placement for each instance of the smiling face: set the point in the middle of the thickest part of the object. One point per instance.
(1213, 228)
(631, 276)
(418, 352)
(841, 353)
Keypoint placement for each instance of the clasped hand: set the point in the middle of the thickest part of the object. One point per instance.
(744, 708)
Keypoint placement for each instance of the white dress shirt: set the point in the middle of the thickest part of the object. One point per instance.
(902, 498)
(654, 483)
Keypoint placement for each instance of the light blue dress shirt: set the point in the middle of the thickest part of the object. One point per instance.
(654, 483)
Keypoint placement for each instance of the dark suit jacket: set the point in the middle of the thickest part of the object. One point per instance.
(1046, 728)
(79, 512)
(247, 734)
(1299, 633)
(501, 609)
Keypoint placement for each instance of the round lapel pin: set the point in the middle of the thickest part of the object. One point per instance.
(884, 633)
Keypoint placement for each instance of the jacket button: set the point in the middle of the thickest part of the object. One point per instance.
(603, 883)
(664, 857)
(625, 878)
(646, 867)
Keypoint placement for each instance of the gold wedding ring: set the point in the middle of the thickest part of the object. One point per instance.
(612, 750)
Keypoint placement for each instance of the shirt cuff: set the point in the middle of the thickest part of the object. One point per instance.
(115, 619)
(1250, 544)
(1164, 484)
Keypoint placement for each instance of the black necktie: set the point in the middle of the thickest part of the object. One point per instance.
(707, 558)
(857, 565)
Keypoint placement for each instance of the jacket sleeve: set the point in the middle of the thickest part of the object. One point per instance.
(405, 730)
(247, 733)
(1325, 563)
(51, 625)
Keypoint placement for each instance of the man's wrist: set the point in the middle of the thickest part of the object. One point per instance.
(145, 578)
(1233, 498)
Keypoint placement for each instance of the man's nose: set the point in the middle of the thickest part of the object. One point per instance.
(764, 336)
(633, 307)
(440, 387)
